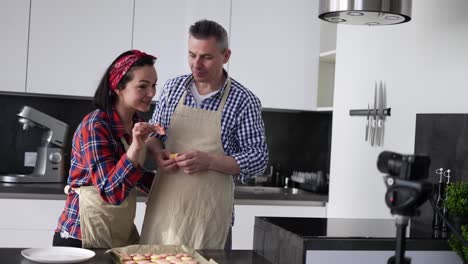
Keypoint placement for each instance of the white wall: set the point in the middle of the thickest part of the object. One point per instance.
(425, 66)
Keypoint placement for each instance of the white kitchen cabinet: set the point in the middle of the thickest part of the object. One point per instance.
(243, 229)
(275, 51)
(161, 28)
(14, 25)
(140, 215)
(31, 223)
(72, 42)
(28, 223)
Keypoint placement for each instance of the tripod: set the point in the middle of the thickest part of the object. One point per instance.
(401, 223)
(403, 197)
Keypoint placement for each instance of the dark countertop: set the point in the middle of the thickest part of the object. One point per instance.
(260, 195)
(13, 255)
(40, 191)
(368, 234)
(243, 195)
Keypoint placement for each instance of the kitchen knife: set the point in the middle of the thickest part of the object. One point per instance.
(381, 112)
(367, 122)
(374, 117)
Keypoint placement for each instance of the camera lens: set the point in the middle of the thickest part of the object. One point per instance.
(389, 162)
(409, 167)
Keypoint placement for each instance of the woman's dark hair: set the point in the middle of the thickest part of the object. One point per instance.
(104, 97)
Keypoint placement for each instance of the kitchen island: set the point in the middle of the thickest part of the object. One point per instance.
(13, 255)
(334, 240)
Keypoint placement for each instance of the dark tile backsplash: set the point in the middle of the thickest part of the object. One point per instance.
(14, 141)
(299, 141)
(444, 138)
(296, 140)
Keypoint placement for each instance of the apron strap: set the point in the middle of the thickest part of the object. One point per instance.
(223, 99)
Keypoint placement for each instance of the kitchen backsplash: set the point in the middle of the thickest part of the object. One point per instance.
(444, 138)
(297, 140)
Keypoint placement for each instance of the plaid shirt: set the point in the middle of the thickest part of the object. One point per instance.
(99, 159)
(242, 129)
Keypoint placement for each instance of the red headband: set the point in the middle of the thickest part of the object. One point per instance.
(122, 65)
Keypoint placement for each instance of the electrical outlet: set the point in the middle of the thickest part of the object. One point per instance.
(30, 159)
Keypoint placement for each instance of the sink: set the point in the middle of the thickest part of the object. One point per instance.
(258, 189)
(266, 190)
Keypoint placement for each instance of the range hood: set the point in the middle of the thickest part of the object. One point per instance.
(365, 12)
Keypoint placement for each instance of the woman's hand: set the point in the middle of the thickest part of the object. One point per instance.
(140, 132)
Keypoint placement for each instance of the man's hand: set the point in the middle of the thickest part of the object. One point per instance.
(193, 161)
(164, 161)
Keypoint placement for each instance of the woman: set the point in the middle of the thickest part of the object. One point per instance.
(101, 202)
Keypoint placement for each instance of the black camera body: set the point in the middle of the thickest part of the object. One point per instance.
(405, 167)
(406, 188)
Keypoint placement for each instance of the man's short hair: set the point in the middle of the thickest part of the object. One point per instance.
(204, 29)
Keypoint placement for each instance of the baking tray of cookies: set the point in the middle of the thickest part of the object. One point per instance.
(163, 254)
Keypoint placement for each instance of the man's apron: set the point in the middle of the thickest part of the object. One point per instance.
(104, 225)
(194, 210)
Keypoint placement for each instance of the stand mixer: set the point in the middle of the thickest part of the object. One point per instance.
(49, 166)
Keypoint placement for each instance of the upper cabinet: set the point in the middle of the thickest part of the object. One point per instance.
(275, 51)
(161, 28)
(14, 25)
(62, 47)
(71, 43)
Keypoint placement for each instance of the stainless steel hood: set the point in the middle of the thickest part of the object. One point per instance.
(365, 12)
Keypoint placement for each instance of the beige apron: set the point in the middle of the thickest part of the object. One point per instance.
(194, 210)
(104, 225)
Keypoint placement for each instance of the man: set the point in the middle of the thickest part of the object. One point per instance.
(214, 131)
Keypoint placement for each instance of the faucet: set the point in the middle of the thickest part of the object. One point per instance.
(49, 163)
(286, 182)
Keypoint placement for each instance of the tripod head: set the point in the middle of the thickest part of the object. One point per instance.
(404, 197)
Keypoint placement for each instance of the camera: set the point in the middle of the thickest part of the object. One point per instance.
(405, 167)
(406, 188)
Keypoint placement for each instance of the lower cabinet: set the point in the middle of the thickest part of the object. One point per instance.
(29, 223)
(243, 229)
(140, 215)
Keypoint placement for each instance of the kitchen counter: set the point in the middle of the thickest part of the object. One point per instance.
(13, 255)
(298, 240)
(243, 195)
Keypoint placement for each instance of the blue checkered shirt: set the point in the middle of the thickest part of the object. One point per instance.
(242, 129)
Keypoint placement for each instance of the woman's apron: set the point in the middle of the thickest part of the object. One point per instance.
(193, 210)
(104, 225)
